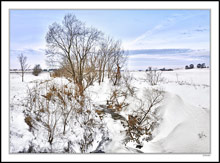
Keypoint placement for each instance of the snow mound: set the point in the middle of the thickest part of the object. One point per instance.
(183, 129)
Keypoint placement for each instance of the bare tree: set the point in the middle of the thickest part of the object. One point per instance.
(117, 62)
(60, 40)
(73, 44)
(23, 63)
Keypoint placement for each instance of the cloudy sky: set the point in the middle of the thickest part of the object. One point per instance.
(157, 38)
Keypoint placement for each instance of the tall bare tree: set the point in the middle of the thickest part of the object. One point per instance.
(118, 61)
(23, 63)
(73, 44)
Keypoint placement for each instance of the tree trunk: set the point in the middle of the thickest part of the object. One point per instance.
(109, 72)
(100, 75)
(117, 76)
(103, 72)
(22, 76)
(64, 127)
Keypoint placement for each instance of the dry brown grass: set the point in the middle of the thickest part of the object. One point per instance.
(62, 72)
(28, 120)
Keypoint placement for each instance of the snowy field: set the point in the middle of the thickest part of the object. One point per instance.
(183, 116)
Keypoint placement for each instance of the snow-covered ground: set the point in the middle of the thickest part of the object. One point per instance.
(184, 113)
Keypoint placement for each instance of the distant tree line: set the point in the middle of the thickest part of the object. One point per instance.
(191, 66)
(201, 65)
(162, 69)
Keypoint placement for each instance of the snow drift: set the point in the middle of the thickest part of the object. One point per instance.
(184, 114)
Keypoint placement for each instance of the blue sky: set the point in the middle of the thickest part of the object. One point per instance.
(173, 38)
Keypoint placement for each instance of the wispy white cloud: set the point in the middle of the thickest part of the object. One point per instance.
(169, 34)
(162, 57)
(169, 58)
(145, 36)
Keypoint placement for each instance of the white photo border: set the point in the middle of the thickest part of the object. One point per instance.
(213, 6)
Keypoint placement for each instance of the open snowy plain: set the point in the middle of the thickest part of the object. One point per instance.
(183, 117)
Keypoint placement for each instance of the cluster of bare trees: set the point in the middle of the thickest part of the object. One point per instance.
(84, 52)
(111, 59)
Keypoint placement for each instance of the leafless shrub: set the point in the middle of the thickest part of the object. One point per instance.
(90, 125)
(47, 105)
(117, 100)
(57, 109)
(143, 120)
(61, 72)
(120, 94)
(36, 70)
(201, 135)
(127, 79)
(153, 77)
